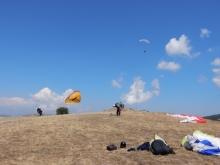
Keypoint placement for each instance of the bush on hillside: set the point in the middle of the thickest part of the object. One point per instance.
(213, 117)
(62, 110)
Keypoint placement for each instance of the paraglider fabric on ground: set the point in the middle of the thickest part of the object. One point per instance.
(188, 118)
(203, 143)
(73, 98)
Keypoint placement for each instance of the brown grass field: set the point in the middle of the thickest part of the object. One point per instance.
(81, 139)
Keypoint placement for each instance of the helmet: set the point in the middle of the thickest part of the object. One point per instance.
(123, 144)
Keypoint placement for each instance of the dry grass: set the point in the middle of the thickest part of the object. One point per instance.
(81, 139)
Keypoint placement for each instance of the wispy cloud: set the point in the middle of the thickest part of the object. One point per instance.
(137, 93)
(156, 85)
(210, 49)
(204, 33)
(14, 102)
(180, 47)
(216, 80)
(202, 79)
(213, 49)
(216, 62)
(171, 66)
(45, 98)
(216, 71)
(115, 84)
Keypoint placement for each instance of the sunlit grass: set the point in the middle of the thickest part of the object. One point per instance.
(81, 139)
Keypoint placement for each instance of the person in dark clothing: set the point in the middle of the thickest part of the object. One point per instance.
(118, 112)
(39, 111)
(119, 107)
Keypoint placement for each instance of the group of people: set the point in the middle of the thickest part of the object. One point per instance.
(119, 107)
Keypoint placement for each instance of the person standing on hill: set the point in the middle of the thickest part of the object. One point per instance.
(39, 111)
(119, 107)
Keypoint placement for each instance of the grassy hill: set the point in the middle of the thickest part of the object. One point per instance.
(81, 139)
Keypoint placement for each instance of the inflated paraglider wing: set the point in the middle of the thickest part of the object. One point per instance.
(75, 97)
(144, 40)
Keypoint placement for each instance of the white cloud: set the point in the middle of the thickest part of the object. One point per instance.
(216, 62)
(204, 33)
(49, 99)
(15, 101)
(178, 47)
(115, 84)
(156, 85)
(216, 71)
(137, 93)
(216, 80)
(45, 98)
(202, 79)
(172, 66)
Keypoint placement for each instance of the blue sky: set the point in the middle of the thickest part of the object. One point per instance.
(49, 49)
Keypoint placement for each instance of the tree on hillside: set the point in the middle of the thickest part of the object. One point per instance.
(62, 110)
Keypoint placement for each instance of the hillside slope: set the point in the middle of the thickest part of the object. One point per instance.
(213, 117)
(81, 139)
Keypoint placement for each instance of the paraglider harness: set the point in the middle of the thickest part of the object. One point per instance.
(119, 105)
(158, 146)
(39, 111)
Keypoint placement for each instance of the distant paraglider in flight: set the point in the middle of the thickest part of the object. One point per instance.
(73, 98)
(144, 40)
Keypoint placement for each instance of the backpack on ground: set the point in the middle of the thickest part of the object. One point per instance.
(159, 147)
(111, 147)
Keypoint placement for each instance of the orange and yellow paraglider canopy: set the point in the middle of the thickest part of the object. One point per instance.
(75, 97)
